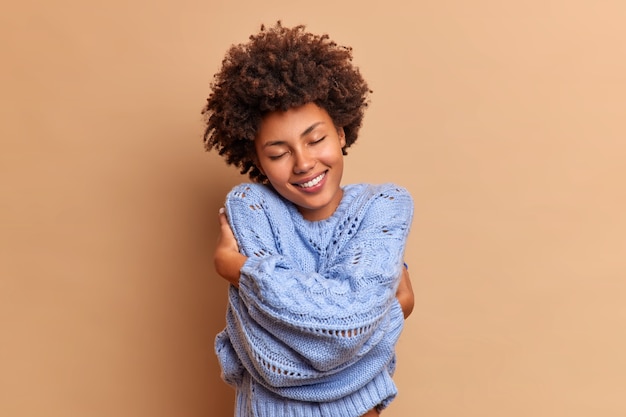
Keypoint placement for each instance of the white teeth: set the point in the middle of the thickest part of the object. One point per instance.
(313, 182)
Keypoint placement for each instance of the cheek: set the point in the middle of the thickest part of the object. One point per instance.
(332, 155)
(276, 171)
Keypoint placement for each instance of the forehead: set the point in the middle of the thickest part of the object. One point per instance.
(292, 123)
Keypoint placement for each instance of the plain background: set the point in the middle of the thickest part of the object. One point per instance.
(505, 120)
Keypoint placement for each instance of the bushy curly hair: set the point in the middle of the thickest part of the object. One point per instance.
(278, 69)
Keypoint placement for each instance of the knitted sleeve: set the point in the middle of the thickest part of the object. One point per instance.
(307, 326)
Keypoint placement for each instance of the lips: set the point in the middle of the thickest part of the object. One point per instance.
(313, 182)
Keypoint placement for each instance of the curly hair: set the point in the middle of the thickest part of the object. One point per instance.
(278, 69)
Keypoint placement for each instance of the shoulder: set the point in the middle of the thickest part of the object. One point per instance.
(378, 211)
(391, 190)
(252, 201)
(386, 194)
(253, 193)
(246, 189)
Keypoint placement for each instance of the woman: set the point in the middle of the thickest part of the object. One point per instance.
(319, 291)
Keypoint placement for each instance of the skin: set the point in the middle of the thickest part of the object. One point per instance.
(300, 153)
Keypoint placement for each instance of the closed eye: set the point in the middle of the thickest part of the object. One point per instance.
(276, 157)
(318, 141)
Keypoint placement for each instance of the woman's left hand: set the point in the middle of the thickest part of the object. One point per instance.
(404, 294)
(226, 258)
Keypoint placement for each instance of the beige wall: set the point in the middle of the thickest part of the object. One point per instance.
(506, 121)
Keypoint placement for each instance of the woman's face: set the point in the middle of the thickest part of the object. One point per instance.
(300, 153)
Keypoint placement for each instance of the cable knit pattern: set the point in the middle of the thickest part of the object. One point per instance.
(312, 329)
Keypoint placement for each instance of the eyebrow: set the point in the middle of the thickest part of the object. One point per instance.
(303, 134)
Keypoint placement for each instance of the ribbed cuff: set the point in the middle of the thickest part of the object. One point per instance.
(378, 393)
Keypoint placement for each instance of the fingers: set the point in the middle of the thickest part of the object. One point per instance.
(226, 236)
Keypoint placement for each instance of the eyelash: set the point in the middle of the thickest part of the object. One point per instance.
(276, 157)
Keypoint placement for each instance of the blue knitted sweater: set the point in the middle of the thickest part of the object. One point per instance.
(312, 329)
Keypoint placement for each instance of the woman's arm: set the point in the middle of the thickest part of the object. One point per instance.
(365, 267)
(228, 263)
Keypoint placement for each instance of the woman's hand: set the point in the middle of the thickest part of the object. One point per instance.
(405, 293)
(226, 258)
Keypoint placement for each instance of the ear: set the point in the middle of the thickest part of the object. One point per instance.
(342, 137)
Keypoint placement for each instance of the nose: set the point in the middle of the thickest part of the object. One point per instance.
(303, 162)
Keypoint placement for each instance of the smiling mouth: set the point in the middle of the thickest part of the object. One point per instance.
(313, 182)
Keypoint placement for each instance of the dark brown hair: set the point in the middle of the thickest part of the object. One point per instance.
(278, 69)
